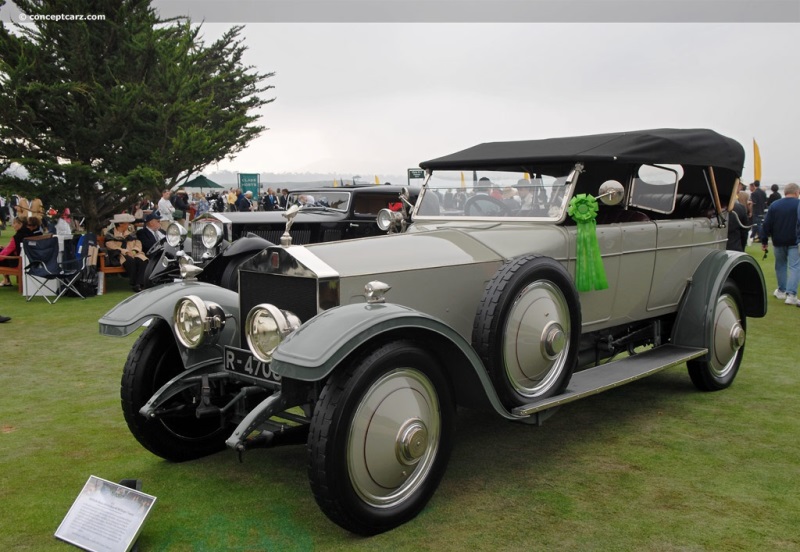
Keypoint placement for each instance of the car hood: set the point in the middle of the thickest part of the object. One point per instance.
(403, 252)
(447, 246)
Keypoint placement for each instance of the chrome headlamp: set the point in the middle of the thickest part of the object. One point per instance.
(266, 326)
(387, 218)
(211, 235)
(175, 234)
(197, 322)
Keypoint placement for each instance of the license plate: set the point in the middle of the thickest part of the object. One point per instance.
(244, 363)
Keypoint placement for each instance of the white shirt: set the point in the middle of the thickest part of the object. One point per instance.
(166, 209)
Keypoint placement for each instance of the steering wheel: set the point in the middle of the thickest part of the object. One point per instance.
(483, 205)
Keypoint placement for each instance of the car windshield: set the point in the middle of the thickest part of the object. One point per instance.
(321, 199)
(491, 194)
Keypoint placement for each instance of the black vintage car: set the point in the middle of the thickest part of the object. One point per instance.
(221, 242)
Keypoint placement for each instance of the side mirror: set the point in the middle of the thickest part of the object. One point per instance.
(611, 193)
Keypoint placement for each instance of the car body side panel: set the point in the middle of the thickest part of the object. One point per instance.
(635, 271)
(682, 247)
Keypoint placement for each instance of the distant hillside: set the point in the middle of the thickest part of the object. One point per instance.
(230, 179)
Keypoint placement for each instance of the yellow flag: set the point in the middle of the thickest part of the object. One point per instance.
(376, 180)
(528, 177)
(463, 183)
(335, 183)
(756, 162)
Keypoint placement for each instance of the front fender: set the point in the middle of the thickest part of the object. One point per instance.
(694, 322)
(159, 302)
(247, 244)
(315, 349)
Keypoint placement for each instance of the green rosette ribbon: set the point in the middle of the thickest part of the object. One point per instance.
(589, 271)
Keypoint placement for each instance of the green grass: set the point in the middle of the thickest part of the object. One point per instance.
(655, 465)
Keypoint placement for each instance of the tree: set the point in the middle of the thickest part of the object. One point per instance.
(103, 112)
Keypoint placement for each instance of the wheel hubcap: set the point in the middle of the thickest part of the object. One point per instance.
(536, 339)
(412, 442)
(553, 340)
(729, 336)
(394, 438)
(737, 337)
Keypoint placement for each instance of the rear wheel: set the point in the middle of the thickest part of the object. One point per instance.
(726, 349)
(179, 435)
(380, 438)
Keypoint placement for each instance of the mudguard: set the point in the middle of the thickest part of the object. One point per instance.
(694, 323)
(247, 244)
(160, 301)
(315, 349)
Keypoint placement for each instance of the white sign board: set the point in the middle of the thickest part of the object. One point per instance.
(106, 517)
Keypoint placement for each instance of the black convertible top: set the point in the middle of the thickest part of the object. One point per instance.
(665, 145)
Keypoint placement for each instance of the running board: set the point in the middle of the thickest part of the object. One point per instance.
(614, 374)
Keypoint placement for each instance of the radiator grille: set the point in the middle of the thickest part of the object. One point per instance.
(298, 295)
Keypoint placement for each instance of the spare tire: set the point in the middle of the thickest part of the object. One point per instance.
(527, 329)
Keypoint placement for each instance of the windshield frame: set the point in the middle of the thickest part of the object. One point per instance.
(568, 187)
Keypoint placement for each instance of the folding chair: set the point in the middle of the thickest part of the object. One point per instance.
(44, 266)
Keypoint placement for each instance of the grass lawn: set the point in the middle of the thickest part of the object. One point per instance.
(655, 465)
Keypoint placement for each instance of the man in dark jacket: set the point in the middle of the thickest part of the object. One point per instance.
(737, 227)
(781, 224)
(758, 199)
(243, 203)
(151, 233)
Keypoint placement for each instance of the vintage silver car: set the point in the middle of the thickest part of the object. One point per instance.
(527, 275)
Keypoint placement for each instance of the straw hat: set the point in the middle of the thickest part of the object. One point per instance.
(122, 217)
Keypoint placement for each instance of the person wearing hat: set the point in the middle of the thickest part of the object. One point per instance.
(124, 249)
(244, 203)
(150, 234)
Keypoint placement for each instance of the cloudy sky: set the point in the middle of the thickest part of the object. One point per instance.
(378, 98)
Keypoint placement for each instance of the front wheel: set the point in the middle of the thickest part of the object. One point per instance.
(380, 438)
(177, 435)
(726, 349)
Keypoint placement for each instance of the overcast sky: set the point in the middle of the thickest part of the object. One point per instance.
(378, 98)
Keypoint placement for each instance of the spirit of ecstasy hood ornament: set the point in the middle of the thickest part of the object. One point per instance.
(291, 212)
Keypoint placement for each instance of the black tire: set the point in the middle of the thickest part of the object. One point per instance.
(534, 295)
(396, 400)
(726, 349)
(153, 361)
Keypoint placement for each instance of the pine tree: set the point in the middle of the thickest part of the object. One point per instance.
(103, 112)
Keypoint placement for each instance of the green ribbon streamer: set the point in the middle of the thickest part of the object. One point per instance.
(589, 271)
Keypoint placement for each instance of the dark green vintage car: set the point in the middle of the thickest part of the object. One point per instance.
(527, 275)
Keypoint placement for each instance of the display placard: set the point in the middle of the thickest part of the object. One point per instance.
(105, 517)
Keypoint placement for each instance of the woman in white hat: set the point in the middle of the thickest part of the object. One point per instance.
(124, 249)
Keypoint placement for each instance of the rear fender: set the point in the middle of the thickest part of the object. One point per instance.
(320, 345)
(693, 324)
